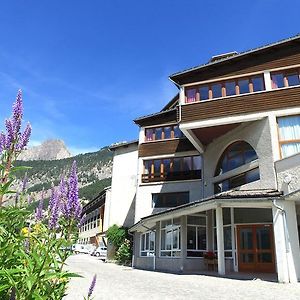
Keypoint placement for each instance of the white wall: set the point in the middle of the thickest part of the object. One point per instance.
(144, 195)
(123, 186)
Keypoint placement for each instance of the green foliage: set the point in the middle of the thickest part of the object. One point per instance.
(91, 191)
(32, 248)
(54, 168)
(116, 235)
(32, 256)
(124, 253)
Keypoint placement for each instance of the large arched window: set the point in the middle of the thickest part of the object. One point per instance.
(236, 155)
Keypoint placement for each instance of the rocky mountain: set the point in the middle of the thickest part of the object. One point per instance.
(94, 173)
(48, 150)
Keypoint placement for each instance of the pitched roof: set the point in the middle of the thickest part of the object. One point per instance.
(154, 115)
(122, 144)
(236, 56)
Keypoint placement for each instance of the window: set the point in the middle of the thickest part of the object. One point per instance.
(289, 135)
(162, 133)
(243, 86)
(196, 235)
(236, 155)
(162, 200)
(236, 181)
(148, 243)
(191, 95)
(204, 92)
(285, 78)
(149, 134)
(258, 84)
(228, 88)
(216, 90)
(170, 242)
(173, 168)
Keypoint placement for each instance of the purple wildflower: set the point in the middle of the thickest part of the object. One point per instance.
(73, 200)
(17, 113)
(63, 191)
(82, 220)
(63, 186)
(2, 142)
(92, 286)
(10, 133)
(39, 210)
(54, 214)
(52, 198)
(24, 138)
(29, 200)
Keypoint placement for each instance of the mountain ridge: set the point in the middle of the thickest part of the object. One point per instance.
(94, 172)
(52, 149)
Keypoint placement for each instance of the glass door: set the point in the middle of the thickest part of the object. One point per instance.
(255, 248)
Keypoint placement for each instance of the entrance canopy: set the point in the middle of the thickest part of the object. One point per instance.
(249, 198)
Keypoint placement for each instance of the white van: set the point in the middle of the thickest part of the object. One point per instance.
(81, 248)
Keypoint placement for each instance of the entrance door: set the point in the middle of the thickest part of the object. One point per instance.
(255, 248)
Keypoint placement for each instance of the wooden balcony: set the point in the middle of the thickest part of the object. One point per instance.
(242, 104)
(172, 176)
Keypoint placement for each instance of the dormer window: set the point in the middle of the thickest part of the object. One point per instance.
(162, 133)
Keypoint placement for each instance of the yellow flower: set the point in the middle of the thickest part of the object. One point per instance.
(25, 231)
(37, 228)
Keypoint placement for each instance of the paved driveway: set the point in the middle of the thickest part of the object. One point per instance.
(117, 282)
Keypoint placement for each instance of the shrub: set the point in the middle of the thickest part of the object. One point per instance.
(116, 235)
(124, 253)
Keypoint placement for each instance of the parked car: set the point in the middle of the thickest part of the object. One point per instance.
(101, 252)
(81, 248)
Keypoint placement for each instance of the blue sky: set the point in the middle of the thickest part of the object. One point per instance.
(88, 68)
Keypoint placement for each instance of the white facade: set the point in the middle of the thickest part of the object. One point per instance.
(123, 186)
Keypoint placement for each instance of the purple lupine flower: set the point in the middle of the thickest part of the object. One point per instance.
(24, 138)
(39, 209)
(63, 192)
(73, 200)
(52, 199)
(92, 286)
(2, 142)
(54, 214)
(17, 113)
(10, 133)
(63, 185)
(78, 211)
(82, 220)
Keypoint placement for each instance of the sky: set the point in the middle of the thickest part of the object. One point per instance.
(88, 68)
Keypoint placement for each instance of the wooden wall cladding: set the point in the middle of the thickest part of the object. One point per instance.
(165, 147)
(255, 62)
(251, 103)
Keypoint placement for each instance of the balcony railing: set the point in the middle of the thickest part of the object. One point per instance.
(174, 176)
